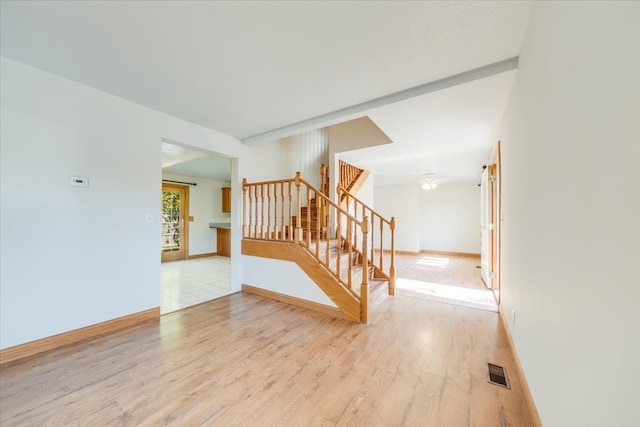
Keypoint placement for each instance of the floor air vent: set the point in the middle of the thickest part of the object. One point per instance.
(497, 375)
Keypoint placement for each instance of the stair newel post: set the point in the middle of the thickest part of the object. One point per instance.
(244, 207)
(364, 287)
(392, 268)
(323, 178)
(298, 235)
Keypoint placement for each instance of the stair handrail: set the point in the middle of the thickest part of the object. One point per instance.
(346, 198)
(277, 223)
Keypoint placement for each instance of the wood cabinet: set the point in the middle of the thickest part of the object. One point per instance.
(223, 241)
(226, 199)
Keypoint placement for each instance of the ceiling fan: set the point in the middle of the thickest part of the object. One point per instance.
(429, 181)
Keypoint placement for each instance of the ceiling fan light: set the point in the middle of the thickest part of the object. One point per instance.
(434, 185)
(426, 186)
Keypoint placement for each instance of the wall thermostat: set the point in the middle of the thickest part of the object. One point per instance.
(79, 181)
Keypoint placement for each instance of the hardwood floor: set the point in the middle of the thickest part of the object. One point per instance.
(247, 360)
(451, 270)
(444, 278)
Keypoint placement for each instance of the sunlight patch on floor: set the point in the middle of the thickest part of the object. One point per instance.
(482, 299)
(430, 262)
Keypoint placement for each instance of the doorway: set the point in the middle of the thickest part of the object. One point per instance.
(496, 220)
(193, 200)
(175, 230)
(491, 220)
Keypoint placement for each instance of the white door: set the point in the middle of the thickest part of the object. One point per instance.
(485, 232)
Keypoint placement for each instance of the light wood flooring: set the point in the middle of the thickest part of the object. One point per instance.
(247, 360)
(450, 270)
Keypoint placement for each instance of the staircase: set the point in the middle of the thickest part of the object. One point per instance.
(292, 220)
(351, 178)
(313, 219)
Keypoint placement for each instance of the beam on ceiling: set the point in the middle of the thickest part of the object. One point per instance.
(358, 110)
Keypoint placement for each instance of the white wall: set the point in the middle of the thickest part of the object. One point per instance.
(570, 150)
(450, 218)
(205, 206)
(401, 202)
(366, 194)
(303, 153)
(71, 256)
(284, 277)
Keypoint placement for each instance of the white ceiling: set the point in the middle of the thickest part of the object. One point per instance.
(448, 133)
(246, 68)
(185, 161)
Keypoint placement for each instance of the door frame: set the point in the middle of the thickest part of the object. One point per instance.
(485, 233)
(495, 212)
(184, 205)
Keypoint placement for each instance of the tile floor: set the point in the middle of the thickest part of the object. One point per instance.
(190, 282)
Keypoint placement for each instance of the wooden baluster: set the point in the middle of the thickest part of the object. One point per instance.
(255, 214)
(282, 224)
(244, 207)
(373, 218)
(381, 240)
(275, 211)
(364, 286)
(327, 253)
(324, 189)
(250, 210)
(392, 269)
(298, 237)
(317, 224)
(308, 227)
(354, 242)
(291, 231)
(269, 211)
(261, 211)
(349, 252)
(339, 241)
(355, 208)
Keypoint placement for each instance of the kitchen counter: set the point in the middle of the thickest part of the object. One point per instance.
(223, 237)
(226, 225)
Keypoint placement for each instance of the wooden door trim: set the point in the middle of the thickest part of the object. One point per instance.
(496, 217)
(185, 216)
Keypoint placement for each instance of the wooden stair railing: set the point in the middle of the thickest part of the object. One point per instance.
(348, 174)
(382, 233)
(351, 177)
(275, 211)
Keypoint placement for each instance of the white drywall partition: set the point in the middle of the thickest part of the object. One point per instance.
(76, 256)
(450, 218)
(402, 203)
(570, 146)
